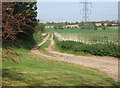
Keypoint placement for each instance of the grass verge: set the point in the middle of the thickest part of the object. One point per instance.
(34, 70)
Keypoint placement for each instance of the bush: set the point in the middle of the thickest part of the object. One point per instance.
(40, 27)
(94, 49)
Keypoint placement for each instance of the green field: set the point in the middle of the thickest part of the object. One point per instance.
(89, 36)
(87, 49)
(34, 70)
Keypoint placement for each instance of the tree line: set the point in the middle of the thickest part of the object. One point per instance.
(83, 25)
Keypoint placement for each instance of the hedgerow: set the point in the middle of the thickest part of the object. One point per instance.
(94, 49)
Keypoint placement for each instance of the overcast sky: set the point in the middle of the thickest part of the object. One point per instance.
(70, 11)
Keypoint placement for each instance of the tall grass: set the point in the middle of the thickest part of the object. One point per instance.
(88, 36)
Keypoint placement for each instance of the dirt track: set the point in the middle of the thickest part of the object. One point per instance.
(108, 65)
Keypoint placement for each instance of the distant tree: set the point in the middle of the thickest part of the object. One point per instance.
(72, 23)
(55, 26)
(76, 22)
(88, 25)
(58, 26)
(48, 23)
(82, 25)
(109, 24)
(103, 26)
(66, 23)
(53, 23)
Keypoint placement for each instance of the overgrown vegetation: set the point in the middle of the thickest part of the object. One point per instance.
(93, 49)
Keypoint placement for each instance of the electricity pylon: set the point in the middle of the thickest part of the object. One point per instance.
(86, 11)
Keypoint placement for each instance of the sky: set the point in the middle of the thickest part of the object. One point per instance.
(70, 11)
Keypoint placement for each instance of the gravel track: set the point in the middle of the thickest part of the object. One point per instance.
(108, 65)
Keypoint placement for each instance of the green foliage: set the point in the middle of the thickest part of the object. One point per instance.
(70, 51)
(29, 43)
(88, 25)
(104, 27)
(44, 46)
(94, 49)
(90, 35)
(58, 26)
(25, 38)
(26, 43)
(82, 25)
(35, 70)
(95, 28)
(109, 24)
(38, 37)
(29, 8)
(40, 27)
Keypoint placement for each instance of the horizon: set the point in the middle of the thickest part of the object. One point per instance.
(70, 11)
(82, 21)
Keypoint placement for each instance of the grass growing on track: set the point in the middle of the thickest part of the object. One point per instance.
(44, 46)
(38, 37)
(34, 70)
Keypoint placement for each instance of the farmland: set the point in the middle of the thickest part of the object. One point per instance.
(36, 70)
(87, 42)
(58, 52)
(89, 36)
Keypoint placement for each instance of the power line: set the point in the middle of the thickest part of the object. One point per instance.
(86, 11)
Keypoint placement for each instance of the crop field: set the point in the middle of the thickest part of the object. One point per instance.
(89, 36)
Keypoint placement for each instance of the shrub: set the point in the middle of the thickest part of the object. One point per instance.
(94, 49)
